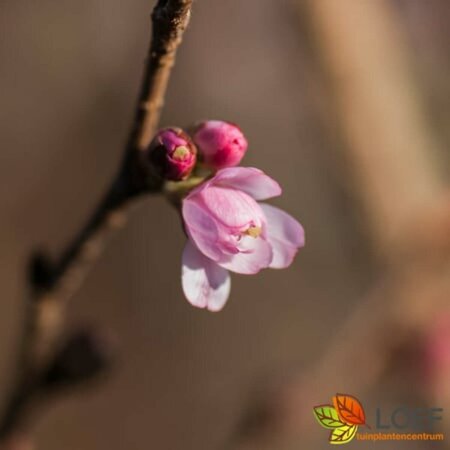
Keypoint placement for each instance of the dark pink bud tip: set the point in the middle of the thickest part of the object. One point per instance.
(172, 154)
(220, 144)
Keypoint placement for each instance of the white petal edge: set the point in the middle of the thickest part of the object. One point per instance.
(205, 284)
(257, 256)
(285, 234)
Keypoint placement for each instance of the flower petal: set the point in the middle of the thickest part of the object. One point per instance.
(201, 228)
(232, 208)
(205, 284)
(256, 255)
(285, 234)
(252, 181)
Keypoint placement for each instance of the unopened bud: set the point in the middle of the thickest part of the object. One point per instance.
(172, 154)
(220, 144)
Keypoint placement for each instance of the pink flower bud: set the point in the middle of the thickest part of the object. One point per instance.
(221, 144)
(172, 154)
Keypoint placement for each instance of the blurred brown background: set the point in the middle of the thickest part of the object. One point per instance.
(69, 77)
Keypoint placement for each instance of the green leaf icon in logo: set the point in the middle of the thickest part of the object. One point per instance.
(343, 434)
(328, 417)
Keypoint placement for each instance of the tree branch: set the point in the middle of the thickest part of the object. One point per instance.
(52, 284)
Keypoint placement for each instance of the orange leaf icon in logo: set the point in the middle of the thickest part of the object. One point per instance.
(349, 409)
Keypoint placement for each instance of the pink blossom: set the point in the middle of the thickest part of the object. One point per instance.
(229, 230)
(172, 154)
(221, 144)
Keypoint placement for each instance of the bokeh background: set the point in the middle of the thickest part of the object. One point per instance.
(184, 378)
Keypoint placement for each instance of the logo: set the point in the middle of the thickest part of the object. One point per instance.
(346, 413)
(342, 418)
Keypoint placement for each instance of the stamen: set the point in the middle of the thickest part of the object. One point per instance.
(254, 232)
(180, 153)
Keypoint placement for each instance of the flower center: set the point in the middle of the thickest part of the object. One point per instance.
(180, 153)
(254, 232)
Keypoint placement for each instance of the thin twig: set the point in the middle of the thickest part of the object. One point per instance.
(52, 284)
(170, 19)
